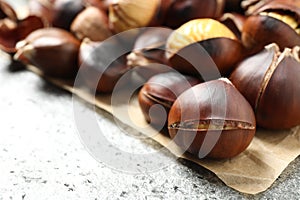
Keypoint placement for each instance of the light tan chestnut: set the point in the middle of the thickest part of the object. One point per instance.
(270, 82)
(91, 23)
(54, 51)
(212, 120)
(203, 41)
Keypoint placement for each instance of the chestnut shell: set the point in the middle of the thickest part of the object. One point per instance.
(204, 104)
(205, 55)
(269, 81)
(95, 72)
(54, 51)
(260, 30)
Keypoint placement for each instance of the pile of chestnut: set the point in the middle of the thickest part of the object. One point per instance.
(233, 64)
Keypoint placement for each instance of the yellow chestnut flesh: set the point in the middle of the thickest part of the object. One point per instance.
(195, 31)
(288, 19)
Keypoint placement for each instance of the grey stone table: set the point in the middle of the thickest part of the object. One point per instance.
(42, 156)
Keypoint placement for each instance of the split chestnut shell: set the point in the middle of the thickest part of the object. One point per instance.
(213, 120)
(206, 43)
(270, 82)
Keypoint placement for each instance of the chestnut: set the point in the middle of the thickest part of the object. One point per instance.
(212, 120)
(207, 43)
(149, 52)
(163, 89)
(128, 14)
(275, 21)
(97, 73)
(91, 23)
(54, 51)
(182, 11)
(58, 13)
(269, 81)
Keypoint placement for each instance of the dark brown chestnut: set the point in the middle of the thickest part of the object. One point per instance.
(54, 51)
(58, 13)
(275, 21)
(97, 72)
(91, 23)
(163, 89)
(182, 11)
(269, 81)
(212, 120)
(235, 22)
(208, 43)
(233, 6)
(149, 52)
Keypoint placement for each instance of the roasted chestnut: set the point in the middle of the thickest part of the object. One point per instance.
(91, 23)
(212, 120)
(182, 11)
(54, 51)
(269, 81)
(149, 52)
(100, 71)
(276, 21)
(163, 89)
(206, 43)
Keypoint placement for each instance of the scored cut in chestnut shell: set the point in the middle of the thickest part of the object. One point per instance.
(54, 51)
(163, 89)
(212, 120)
(269, 80)
(201, 45)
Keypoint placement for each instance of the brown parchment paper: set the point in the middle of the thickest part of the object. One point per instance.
(252, 172)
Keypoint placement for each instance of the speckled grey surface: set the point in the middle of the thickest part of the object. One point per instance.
(42, 156)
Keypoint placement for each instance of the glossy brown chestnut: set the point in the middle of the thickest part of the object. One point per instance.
(149, 52)
(269, 81)
(212, 120)
(163, 89)
(275, 21)
(96, 70)
(207, 43)
(182, 11)
(54, 51)
(91, 23)
(58, 13)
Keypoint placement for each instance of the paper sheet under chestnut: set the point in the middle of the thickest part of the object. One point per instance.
(251, 172)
